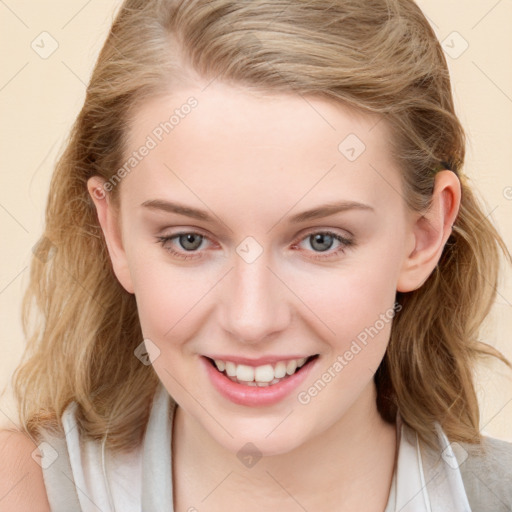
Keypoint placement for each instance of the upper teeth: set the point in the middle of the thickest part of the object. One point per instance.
(265, 373)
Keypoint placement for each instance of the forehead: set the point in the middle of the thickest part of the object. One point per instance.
(246, 148)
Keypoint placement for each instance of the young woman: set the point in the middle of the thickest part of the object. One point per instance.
(263, 273)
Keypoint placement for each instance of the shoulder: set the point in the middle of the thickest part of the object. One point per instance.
(486, 471)
(21, 477)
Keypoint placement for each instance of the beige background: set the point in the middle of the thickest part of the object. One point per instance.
(40, 97)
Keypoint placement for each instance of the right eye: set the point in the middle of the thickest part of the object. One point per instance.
(180, 244)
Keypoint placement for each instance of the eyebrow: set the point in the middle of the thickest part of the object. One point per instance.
(318, 212)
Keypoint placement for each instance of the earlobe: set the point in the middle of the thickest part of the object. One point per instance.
(430, 232)
(108, 218)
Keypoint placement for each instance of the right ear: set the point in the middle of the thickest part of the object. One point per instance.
(108, 217)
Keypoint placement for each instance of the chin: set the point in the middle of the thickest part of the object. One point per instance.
(262, 440)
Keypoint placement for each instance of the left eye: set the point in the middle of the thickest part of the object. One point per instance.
(323, 241)
(190, 241)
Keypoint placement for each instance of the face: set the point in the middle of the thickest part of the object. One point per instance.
(260, 232)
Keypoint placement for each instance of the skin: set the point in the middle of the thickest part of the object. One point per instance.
(252, 161)
(21, 477)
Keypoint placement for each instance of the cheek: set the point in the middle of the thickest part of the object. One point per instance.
(356, 303)
(171, 299)
(359, 307)
(349, 298)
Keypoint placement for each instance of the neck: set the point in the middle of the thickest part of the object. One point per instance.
(349, 466)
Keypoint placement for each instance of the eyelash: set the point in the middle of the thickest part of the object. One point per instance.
(345, 243)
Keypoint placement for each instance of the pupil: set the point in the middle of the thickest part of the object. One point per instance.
(190, 241)
(321, 242)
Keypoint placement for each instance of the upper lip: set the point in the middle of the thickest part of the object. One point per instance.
(260, 361)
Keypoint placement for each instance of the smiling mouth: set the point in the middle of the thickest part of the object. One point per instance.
(261, 376)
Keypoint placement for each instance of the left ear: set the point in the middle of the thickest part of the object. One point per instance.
(430, 232)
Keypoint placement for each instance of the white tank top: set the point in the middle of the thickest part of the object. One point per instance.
(142, 480)
(109, 482)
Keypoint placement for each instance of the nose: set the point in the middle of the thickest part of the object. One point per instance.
(253, 302)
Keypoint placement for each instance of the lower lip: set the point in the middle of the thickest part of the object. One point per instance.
(254, 396)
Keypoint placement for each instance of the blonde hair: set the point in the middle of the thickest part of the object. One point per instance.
(378, 56)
